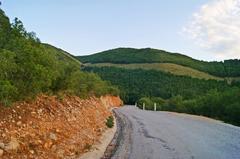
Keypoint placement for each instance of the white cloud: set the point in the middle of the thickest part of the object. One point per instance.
(216, 27)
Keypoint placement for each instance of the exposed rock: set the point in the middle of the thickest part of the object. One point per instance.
(1, 152)
(19, 123)
(2, 145)
(53, 136)
(58, 131)
(41, 126)
(48, 144)
(12, 145)
(32, 151)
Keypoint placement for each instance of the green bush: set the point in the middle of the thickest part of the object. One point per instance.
(159, 102)
(110, 122)
(148, 103)
(7, 93)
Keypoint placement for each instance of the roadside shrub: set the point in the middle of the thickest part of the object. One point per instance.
(148, 103)
(110, 122)
(159, 102)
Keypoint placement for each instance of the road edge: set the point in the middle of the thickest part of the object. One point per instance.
(120, 144)
(99, 148)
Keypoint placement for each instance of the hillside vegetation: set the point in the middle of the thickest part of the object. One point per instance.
(212, 98)
(165, 67)
(228, 68)
(28, 67)
(138, 83)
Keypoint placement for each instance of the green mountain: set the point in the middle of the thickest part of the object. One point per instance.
(228, 68)
(29, 67)
(174, 82)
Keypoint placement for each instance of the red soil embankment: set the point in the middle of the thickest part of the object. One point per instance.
(52, 128)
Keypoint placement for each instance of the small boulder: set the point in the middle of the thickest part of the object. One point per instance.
(2, 145)
(32, 151)
(12, 145)
(53, 136)
(19, 123)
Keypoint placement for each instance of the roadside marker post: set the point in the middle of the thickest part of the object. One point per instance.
(143, 106)
(155, 106)
(135, 104)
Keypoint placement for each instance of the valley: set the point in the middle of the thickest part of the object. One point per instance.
(122, 103)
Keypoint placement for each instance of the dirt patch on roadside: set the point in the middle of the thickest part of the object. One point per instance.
(52, 128)
(98, 150)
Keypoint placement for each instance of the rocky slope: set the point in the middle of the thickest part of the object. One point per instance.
(51, 127)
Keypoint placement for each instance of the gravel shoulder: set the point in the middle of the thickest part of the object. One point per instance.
(97, 150)
(166, 135)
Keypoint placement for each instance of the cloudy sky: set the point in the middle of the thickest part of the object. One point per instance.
(203, 29)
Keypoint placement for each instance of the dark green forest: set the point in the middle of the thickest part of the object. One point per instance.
(28, 67)
(135, 84)
(216, 99)
(227, 68)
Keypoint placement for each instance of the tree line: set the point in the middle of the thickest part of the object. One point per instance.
(216, 104)
(138, 83)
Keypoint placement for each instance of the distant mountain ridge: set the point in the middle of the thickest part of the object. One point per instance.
(227, 68)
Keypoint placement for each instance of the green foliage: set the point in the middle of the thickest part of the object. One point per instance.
(215, 104)
(28, 67)
(7, 92)
(4, 28)
(110, 122)
(159, 102)
(88, 84)
(215, 99)
(135, 84)
(148, 103)
(165, 67)
(174, 104)
(228, 68)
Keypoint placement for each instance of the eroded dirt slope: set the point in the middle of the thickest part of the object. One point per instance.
(52, 128)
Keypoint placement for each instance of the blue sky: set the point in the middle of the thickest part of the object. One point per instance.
(86, 27)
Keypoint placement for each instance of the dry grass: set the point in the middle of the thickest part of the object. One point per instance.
(165, 67)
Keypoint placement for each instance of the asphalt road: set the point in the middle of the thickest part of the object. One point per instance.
(165, 135)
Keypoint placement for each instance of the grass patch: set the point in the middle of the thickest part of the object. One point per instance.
(110, 122)
(165, 67)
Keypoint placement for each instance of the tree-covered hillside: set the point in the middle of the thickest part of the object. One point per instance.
(28, 67)
(138, 83)
(164, 67)
(212, 98)
(228, 68)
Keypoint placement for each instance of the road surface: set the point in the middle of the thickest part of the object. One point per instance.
(165, 135)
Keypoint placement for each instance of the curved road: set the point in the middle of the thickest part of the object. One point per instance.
(165, 135)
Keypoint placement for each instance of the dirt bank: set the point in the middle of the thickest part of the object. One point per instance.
(53, 128)
(98, 150)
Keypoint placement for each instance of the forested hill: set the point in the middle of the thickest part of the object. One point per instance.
(29, 68)
(227, 68)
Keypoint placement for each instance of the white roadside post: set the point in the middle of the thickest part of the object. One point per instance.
(155, 106)
(135, 104)
(143, 106)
